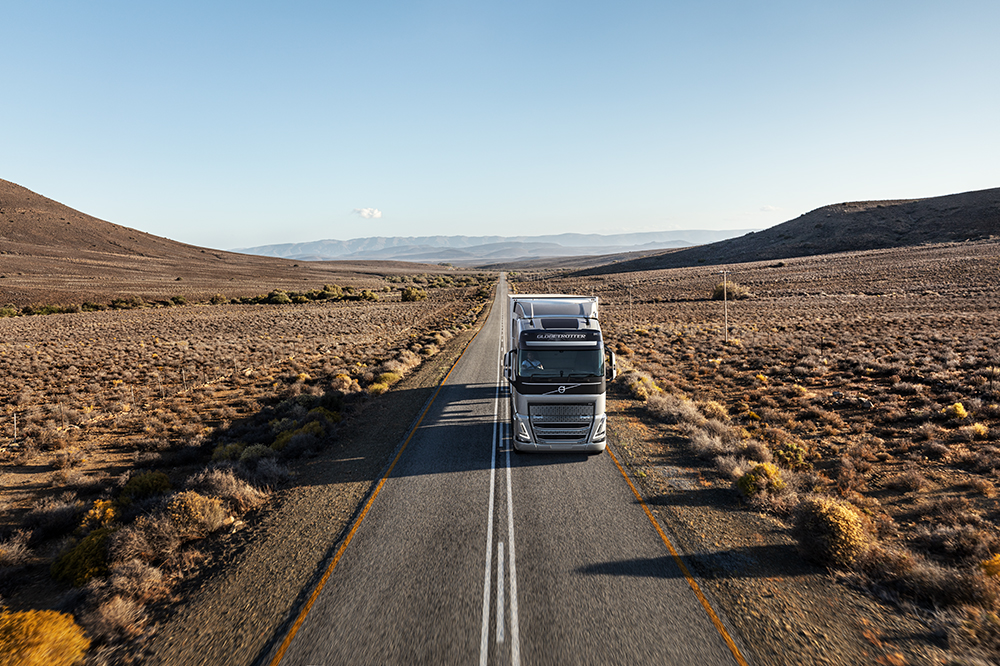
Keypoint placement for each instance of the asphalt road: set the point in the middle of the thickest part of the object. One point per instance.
(471, 553)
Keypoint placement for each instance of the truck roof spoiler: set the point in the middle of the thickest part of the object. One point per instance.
(554, 305)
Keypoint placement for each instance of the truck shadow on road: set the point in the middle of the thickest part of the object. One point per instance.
(455, 434)
(748, 562)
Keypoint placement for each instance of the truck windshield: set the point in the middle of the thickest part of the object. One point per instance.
(560, 363)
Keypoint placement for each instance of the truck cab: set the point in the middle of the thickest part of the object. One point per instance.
(557, 369)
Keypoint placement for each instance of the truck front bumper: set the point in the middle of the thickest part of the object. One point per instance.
(531, 436)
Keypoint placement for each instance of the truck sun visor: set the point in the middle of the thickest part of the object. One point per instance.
(552, 322)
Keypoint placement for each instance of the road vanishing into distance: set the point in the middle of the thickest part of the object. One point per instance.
(470, 553)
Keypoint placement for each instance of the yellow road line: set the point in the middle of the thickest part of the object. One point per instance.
(357, 523)
(680, 563)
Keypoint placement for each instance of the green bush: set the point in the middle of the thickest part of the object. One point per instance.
(255, 452)
(792, 455)
(410, 294)
(388, 378)
(41, 638)
(314, 428)
(331, 292)
(231, 451)
(130, 303)
(87, 559)
(48, 309)
(763, 477)
(141, 486)
(322, 413)
(278, 297)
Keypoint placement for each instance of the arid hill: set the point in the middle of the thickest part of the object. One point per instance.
(51, 254)
(33, 225)
(843, 227)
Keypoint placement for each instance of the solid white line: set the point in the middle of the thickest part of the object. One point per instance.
(497, 437)
(484, 637)
(515, 640)
(500, 592)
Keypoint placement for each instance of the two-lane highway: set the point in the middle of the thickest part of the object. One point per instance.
(470, 553)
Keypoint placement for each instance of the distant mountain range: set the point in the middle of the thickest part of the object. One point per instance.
(470, 250)
(51, 253)
(842, 227)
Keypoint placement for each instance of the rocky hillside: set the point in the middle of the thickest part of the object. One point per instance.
(844, 227)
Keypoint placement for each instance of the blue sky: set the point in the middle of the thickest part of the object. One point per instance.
(232, 124)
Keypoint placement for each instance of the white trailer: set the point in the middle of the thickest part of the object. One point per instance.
(557, 368)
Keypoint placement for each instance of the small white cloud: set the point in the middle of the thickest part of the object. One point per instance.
(769, 209)
(368, 212)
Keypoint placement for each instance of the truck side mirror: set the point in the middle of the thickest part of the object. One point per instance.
(612, 371)
(508, 369)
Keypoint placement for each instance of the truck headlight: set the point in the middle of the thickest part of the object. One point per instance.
(521, 433)
(600, 429)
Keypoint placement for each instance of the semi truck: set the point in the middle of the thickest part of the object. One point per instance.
(557, 368)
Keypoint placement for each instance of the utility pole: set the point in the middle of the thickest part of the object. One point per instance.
(725, 301)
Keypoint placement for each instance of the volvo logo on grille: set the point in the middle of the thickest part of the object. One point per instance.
(562, 389)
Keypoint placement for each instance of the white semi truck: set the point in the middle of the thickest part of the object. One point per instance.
(557, 369)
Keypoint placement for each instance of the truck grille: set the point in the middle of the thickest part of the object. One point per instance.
(561, 423)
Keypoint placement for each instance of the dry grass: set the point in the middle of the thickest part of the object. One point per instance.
(831, 532)
(14, 550)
